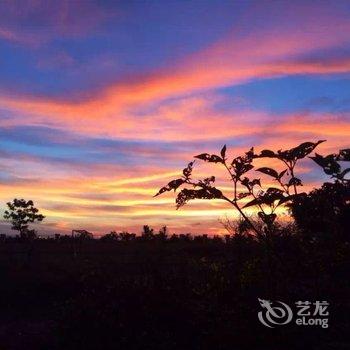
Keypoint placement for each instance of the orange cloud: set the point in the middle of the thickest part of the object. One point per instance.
(114, 111)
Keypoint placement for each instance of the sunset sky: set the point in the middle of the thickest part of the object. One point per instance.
(102, 103)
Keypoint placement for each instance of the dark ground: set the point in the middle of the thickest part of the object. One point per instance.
(168, 294)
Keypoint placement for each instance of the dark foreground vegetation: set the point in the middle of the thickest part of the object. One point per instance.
(179, 293)
(161, 291)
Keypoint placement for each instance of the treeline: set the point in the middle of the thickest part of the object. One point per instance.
(322, 214)
(147, 235)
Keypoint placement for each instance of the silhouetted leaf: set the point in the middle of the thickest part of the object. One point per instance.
(271, 195)
(223, 152)
(250, 183)
(255, 201)
(268, 171)
(344, 155)
(250, 154)
(328, 163)
(281, 174)
(300, 151)
(343, 173)
(188, 170)
(241, 165)
(245, 182)
(290, 198)
(204, 193)
(285, 199)
(211, 158)
(255, 182)
(294, 181)
(266, 153)
(243, 195)
(172, 185)
(306, 148)
(268, 197)
(273, 190)
(207, 181)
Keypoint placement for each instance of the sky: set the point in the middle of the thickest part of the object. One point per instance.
(104, 102)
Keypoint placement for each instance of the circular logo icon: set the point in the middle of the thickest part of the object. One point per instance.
(274, 313)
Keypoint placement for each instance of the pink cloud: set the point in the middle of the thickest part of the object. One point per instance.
(236, 59)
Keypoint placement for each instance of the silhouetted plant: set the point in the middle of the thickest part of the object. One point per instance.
(324, 213)
(82, 235)
(110, 237)
(147, 233)
(126, 236)
(239, 227)
(163, 233)
(266, 201)
(21, 212)
(331, 164)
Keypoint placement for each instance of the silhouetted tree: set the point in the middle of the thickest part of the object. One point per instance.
(162, 234)
(82, 235)
(21, 212)
(201, 238)
(147, 233)
(110, 237)
(126, 236)
(324, 213)
(185, 237)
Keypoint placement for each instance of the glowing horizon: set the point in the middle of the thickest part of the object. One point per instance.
(102, 104)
